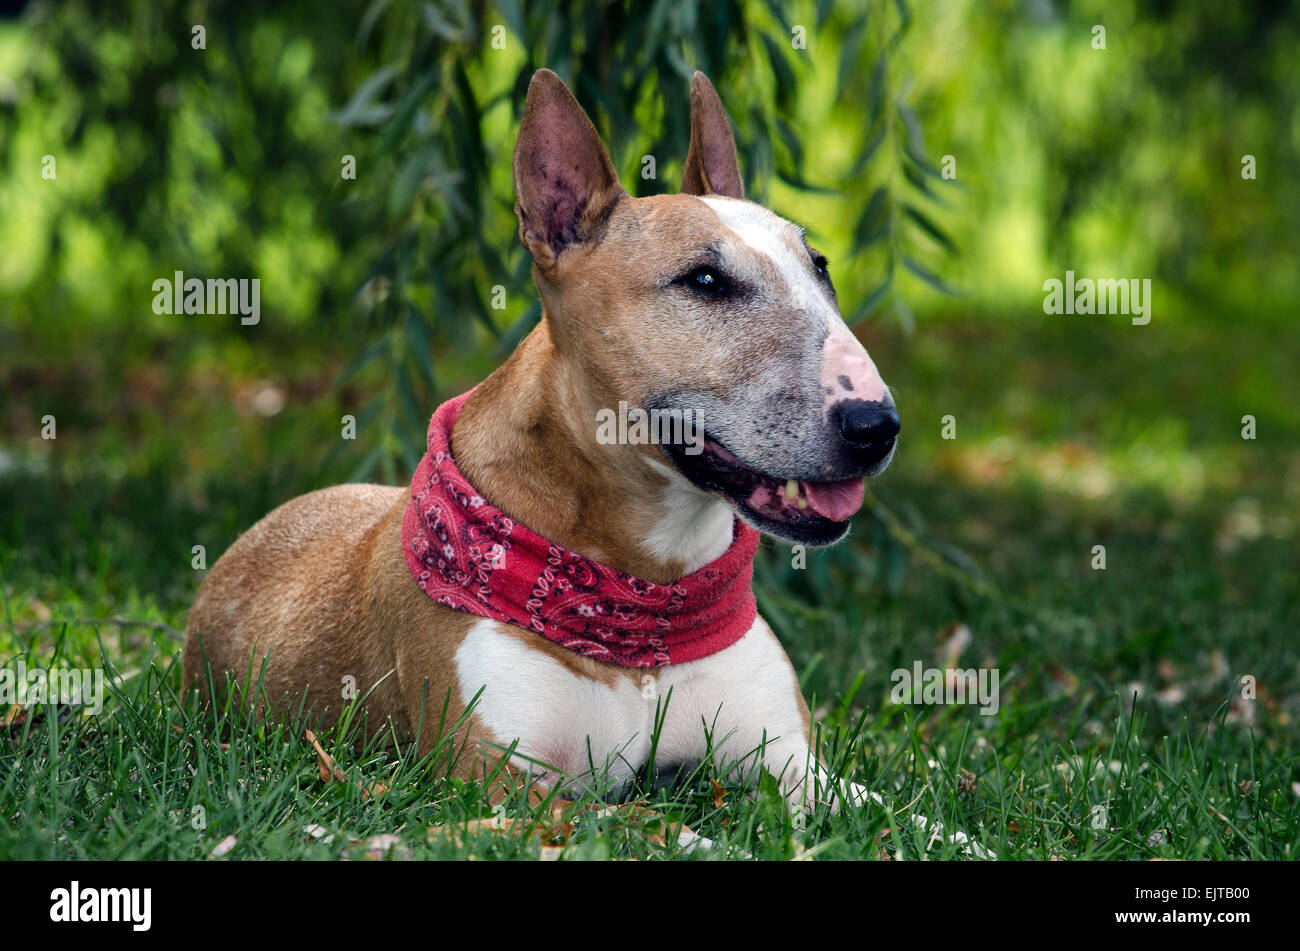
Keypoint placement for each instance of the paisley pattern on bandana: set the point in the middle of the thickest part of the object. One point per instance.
(465, 553)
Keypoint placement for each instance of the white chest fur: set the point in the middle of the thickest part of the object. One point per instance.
(733, 703)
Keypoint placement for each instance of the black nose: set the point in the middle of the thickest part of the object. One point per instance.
(871, 428)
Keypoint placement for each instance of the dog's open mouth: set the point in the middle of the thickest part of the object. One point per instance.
(800, 510)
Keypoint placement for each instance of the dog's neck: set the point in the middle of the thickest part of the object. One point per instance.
(526, 439)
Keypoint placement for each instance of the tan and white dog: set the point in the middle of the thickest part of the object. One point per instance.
(701, 300)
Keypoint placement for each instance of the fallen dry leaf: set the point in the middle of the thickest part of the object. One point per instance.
(328, 771)
(882, 853)
(14, 717)
(324, 762)
(560, 830)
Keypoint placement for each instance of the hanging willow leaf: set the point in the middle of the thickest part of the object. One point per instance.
(876, 100)
(366, 468)
(362, 109)
(790, 139)
(777, 12)
(513, 16)
(929, 227)
(370, 412)
(402, 115)
(471, 115)
(928, 276)
(781, 72)
(824, 8)
(421, 347)
(873, 302)
(518, 330)
(406, 398)
(850, 53)
(409, 177)
(869, 151)
(368, 21)
(440, 25)
(365, 357)
(874, 224)
(905, 18)
(914, 145)
(796, 180)
(918, 180)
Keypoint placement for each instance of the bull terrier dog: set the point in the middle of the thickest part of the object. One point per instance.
(571, 599)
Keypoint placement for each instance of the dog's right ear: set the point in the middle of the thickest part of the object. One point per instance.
(565, 184)
(712, 167)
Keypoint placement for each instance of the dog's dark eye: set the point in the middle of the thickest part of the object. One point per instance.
(706, 280)
(822, 267)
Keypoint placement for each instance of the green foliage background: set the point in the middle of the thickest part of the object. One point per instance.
(225, 161)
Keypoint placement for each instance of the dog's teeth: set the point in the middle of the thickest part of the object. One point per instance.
(791, 488)
(803, 503)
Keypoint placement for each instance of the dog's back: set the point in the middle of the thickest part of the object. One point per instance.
(288, 587)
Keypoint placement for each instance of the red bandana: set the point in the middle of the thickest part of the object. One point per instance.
(470, 556)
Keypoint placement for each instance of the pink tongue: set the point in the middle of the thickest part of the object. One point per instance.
(835, 500)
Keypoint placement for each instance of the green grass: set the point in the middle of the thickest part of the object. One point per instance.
(1121, 732)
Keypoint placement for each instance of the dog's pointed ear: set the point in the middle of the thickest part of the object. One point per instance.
(712, 167)
(565, 184)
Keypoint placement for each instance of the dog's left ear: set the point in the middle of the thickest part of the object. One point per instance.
(712, 167)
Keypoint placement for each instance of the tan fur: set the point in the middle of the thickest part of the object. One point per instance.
(319, 589)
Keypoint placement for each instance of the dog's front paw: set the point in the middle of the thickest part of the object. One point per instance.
(808, 790)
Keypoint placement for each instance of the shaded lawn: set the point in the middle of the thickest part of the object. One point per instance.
(1068, 436)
